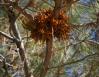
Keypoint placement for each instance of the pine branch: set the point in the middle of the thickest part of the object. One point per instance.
(73, 62)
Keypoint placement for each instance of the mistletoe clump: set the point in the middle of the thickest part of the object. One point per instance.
(45, 24)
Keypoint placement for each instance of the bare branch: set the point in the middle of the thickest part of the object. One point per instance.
(73, 62)
(1, 61)
(7, 36)
(16, 34)
(5, 65)
(93, 42)
(3, 4)
(19, 43)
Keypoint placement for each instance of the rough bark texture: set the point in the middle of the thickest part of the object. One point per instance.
(19, 43)
(16, 35)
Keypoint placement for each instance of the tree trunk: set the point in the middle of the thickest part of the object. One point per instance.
(49, 44)
(19, 43)
(60, 5)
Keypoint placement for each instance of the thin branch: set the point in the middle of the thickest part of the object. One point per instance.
(7, 36)
(5, 65)
(1, 61)
(3, 4)
(73, 62)
(95, 42)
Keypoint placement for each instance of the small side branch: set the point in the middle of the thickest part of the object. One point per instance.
(73, 62)
(6, 35)
(4, 66)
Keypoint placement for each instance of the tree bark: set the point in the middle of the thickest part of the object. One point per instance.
(49, 44)
(60, 5)
(19, 42)
(17, 37)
